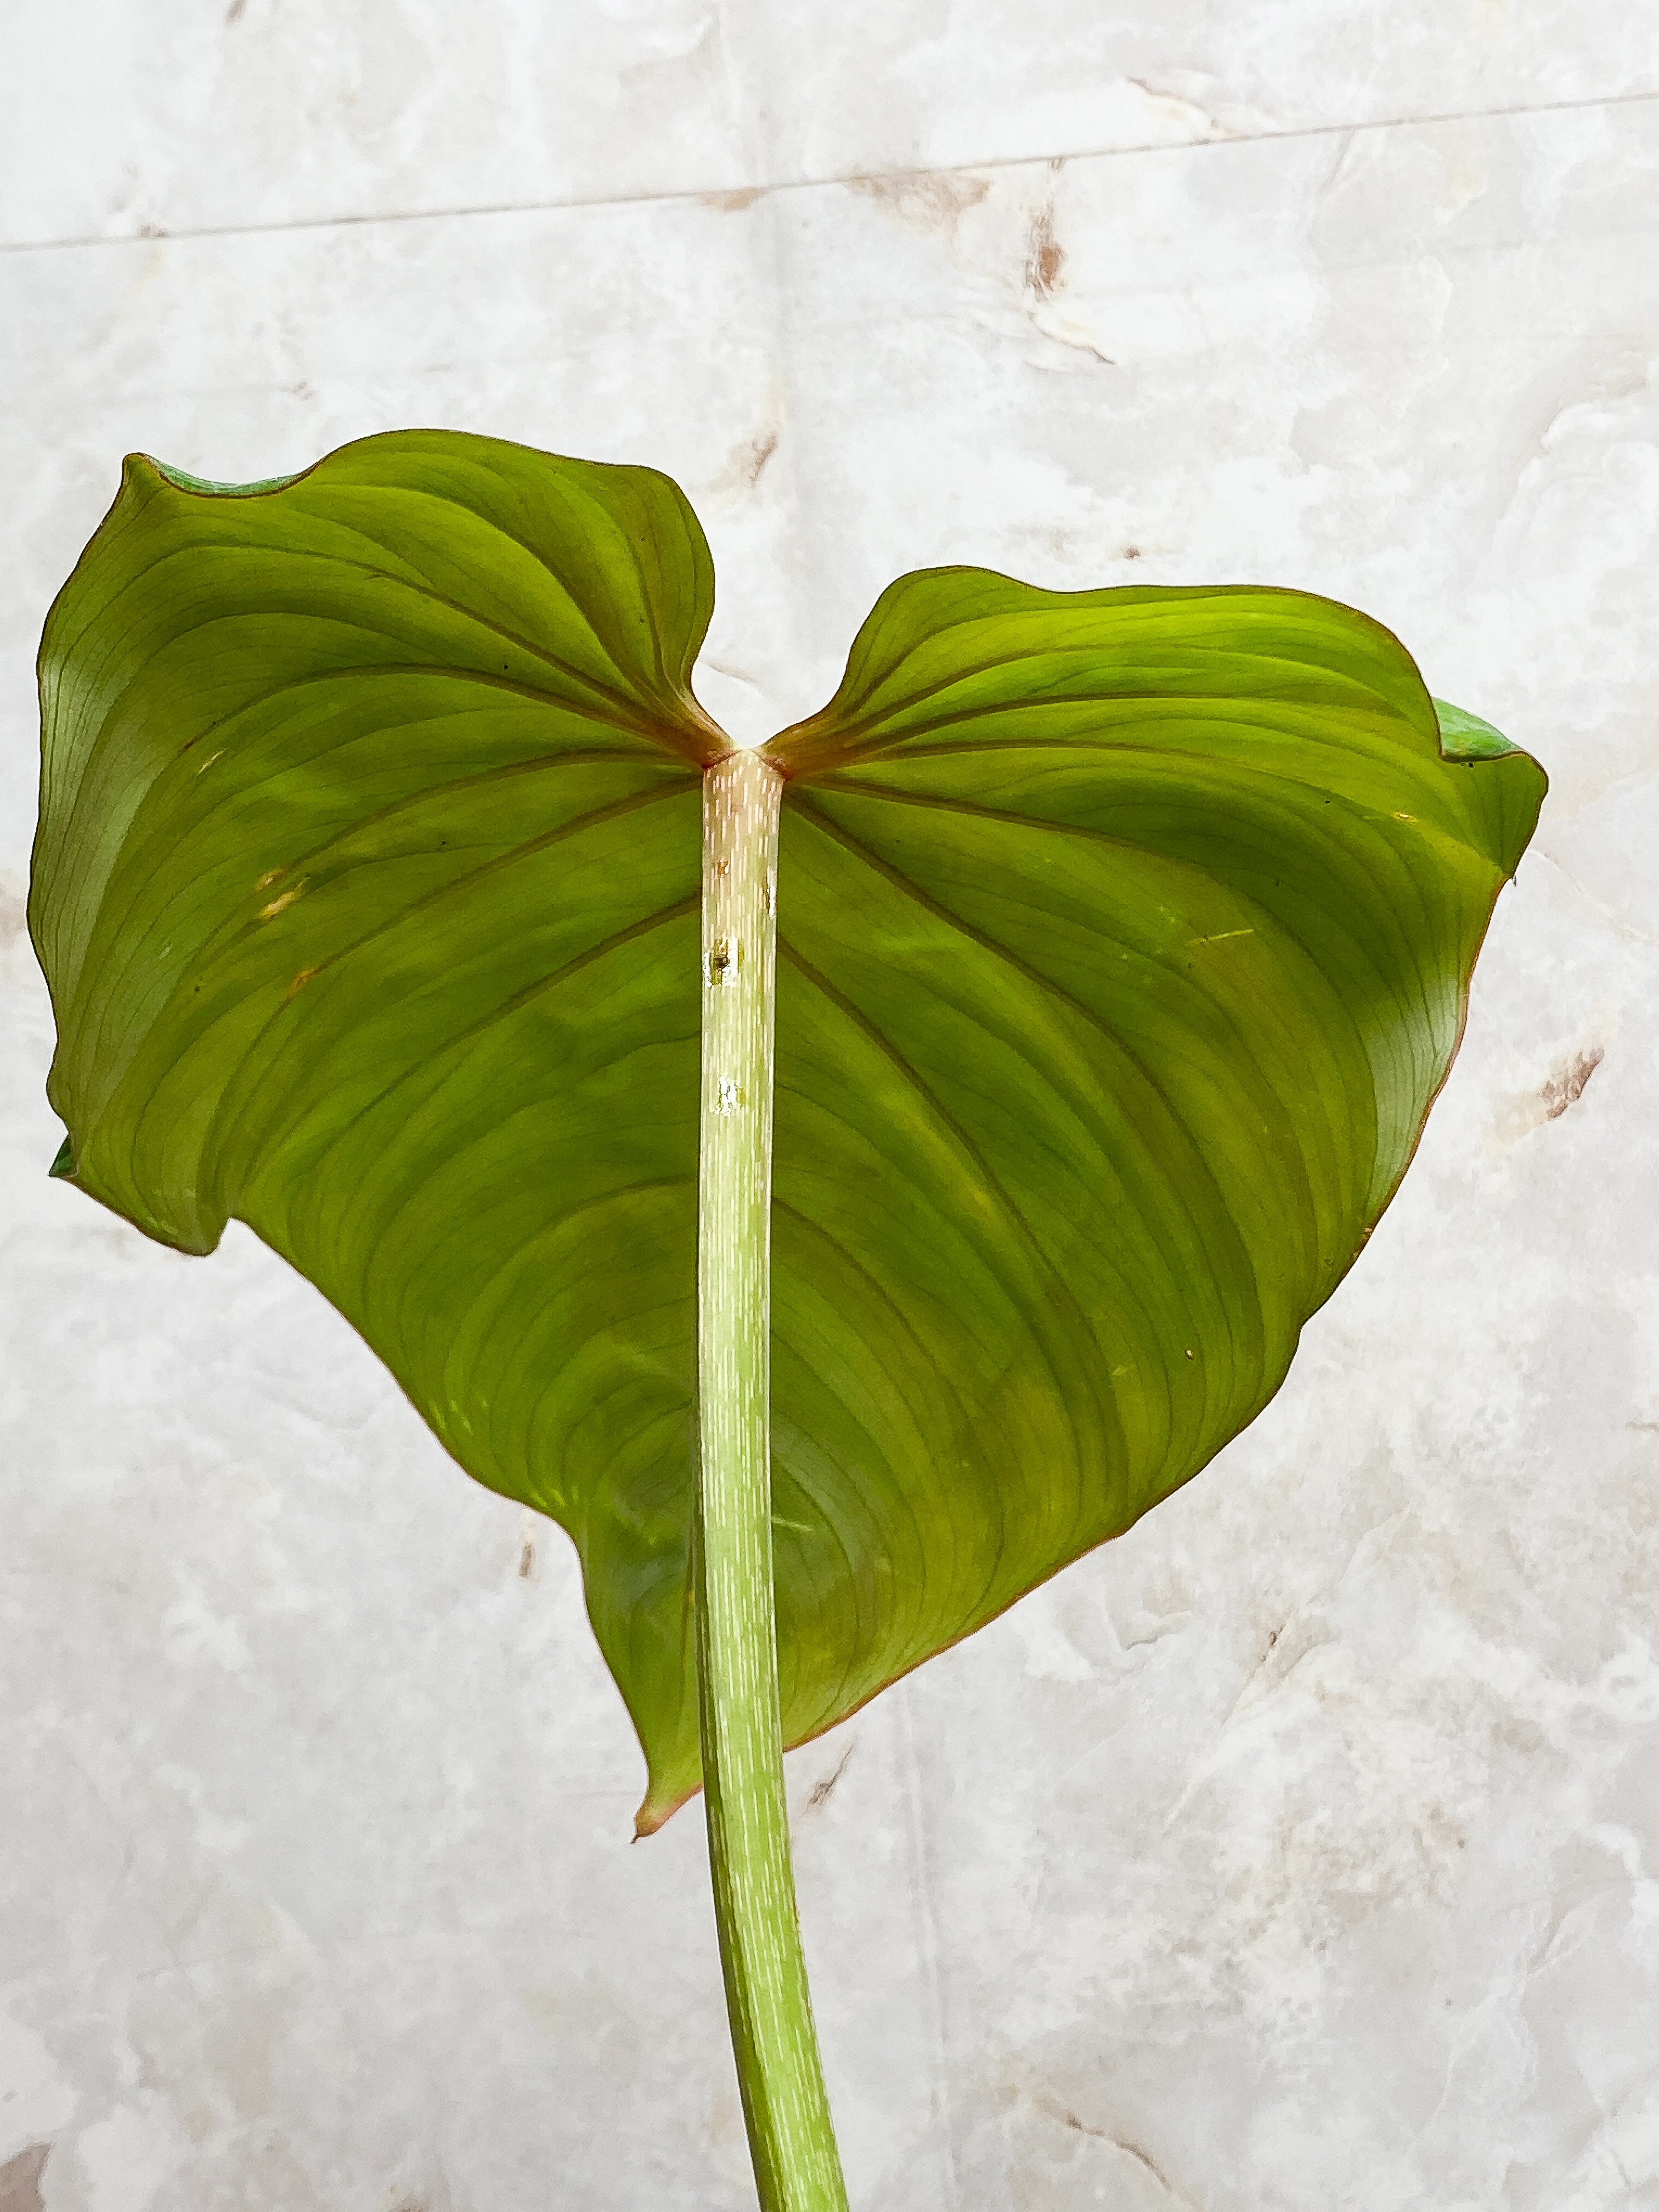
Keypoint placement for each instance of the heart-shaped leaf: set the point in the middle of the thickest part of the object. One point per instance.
(1124, 939)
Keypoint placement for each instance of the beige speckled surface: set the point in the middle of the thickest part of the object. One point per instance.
(1300, 1851)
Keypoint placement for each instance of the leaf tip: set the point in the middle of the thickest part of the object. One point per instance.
(659, 1808)
(63, 1168)
(1466, 737)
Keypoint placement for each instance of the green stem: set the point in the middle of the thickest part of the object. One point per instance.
(797, 2168)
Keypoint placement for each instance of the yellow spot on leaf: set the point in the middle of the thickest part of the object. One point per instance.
(1221, 937)
(298, 984)
(282, 899)
(270, 877)
(1405, 817)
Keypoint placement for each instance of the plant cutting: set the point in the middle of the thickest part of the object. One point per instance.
(841, 1182)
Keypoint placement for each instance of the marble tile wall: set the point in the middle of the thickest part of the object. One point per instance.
(1299, 1850)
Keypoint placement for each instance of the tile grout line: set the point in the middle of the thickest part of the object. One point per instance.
(740, 196)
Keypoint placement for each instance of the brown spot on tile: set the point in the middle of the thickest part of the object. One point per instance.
(1053, 2110)
(1566, 1084)
(819, 1794)
(1132, 552)
(1181, 111)
(1072, 337)
(1045, 263)
(19, 2180)
(925, 199)
(734, 203)
(526, 1559)
(751, 459)
(742, 469)
(233, 13)
(1519, 1115)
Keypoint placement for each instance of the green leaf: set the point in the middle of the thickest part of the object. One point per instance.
(1124, 941)
(1464, 736)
